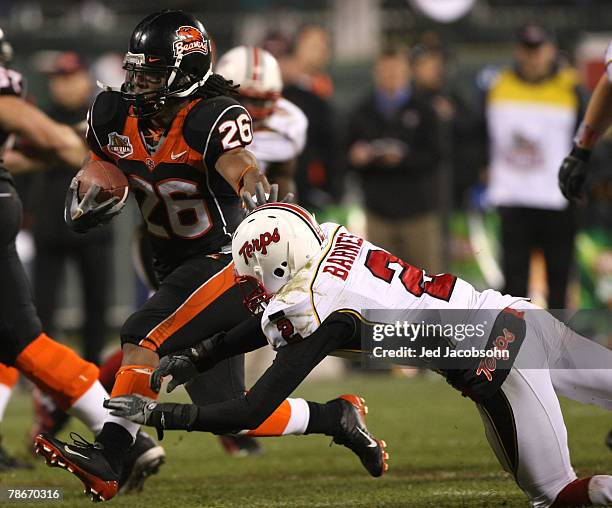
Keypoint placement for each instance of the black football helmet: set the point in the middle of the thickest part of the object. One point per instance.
(169, 56)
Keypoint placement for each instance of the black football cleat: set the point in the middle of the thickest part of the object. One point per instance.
(142, 460)
(240, 446)
(609, 440)
(84, 460)
(355, 435)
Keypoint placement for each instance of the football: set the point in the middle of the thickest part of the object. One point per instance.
(107, 176)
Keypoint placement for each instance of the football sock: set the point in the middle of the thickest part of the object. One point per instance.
(291, 417)
(89, 407)
(57, 370)
(595, 490)
(600, 489)
(8, 378)
(132, 379)
(324, 418)
(575, 493)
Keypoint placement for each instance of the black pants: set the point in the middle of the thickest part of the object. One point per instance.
(19, 323)
(195, 301)
(94, 265)
(525, 229)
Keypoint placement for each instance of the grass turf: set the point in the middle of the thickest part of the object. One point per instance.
(439, 457)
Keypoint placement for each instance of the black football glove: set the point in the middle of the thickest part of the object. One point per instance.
(88, 213)
(260, 198)
(572, 174)
(146, 411)
(186, 364)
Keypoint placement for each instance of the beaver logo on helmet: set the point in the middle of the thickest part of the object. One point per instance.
(190, 40)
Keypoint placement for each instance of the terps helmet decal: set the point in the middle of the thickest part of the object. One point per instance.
(259, 244)
(190, 40)
(119, 145)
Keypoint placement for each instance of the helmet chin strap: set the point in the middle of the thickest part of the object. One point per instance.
(192, 88)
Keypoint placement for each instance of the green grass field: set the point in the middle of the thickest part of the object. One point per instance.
(439, 457)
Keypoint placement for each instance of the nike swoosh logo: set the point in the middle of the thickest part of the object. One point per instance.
(70, 450)
(371, 441)
(174, 156)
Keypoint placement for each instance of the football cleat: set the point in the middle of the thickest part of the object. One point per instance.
(355, 435)
(240, 446)
(609, 440)
(84, 460)
(142, 460)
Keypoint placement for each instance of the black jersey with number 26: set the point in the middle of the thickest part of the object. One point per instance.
(188, 207)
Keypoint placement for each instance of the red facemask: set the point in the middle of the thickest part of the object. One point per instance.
(255, 297)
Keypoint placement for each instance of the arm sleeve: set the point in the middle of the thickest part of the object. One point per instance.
(243, 338)
(291, 365)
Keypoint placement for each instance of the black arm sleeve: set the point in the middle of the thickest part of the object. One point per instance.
(243, 338)
(291, 365)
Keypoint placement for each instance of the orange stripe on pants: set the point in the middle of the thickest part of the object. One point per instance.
(275, 424)
(201, 298)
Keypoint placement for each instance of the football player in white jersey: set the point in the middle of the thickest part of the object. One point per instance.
(279, 126)
(313, 285)
(597, 119)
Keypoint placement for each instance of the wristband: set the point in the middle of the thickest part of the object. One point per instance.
(582, 154)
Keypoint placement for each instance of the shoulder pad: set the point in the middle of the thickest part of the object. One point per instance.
(204, 114)
(107, 107)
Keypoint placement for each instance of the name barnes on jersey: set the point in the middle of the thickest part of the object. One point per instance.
(341, 259)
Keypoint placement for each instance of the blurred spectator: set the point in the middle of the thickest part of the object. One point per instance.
(70, 89)
(308, 86)
(393, 145)
(532, 112)
(459, 124)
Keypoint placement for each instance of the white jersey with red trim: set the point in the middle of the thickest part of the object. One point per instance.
(351, 274)
(282, 135)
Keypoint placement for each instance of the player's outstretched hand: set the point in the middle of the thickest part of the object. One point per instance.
(81, 216)
(135, 408)
(261, 198)
(180, 366)
(572, 174)
(146, 411)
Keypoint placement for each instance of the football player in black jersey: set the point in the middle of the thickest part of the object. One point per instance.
(55, 369)
(179, 136)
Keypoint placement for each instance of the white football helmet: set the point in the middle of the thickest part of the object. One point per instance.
(270, 246)
(258, 74)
